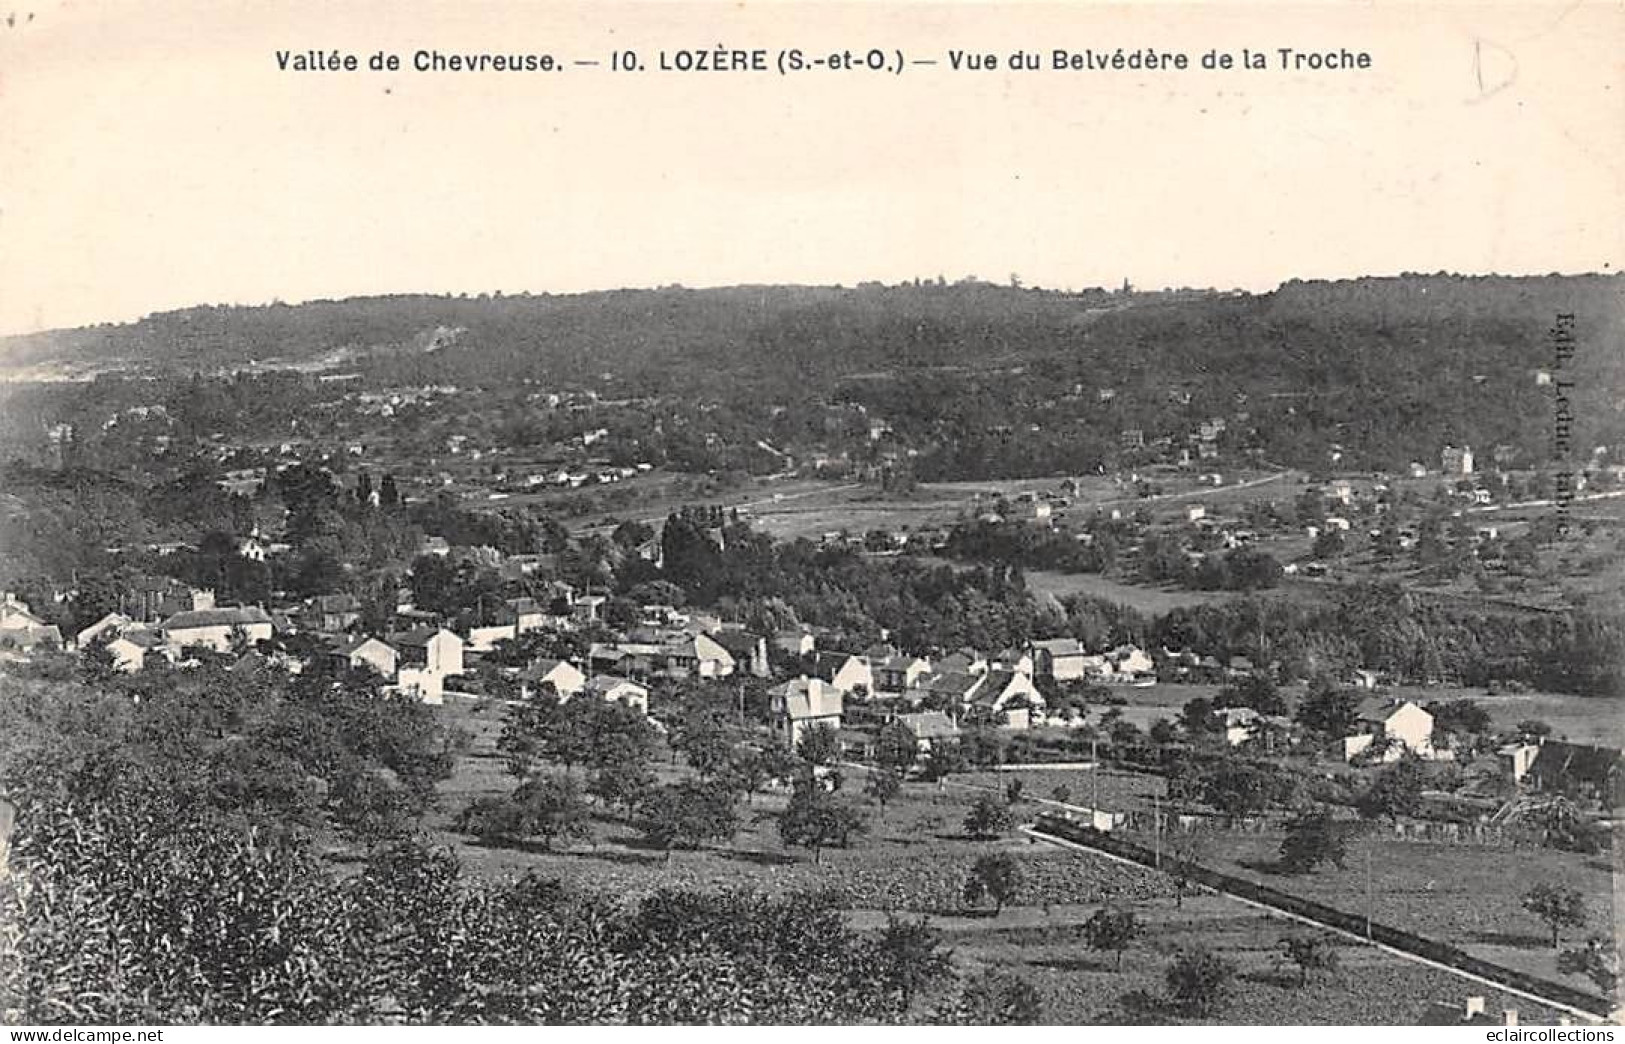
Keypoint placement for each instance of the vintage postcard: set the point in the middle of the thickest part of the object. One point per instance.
(783, 514)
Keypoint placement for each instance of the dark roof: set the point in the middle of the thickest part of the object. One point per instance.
(929, 725)
(954, 684)
(335, 603)
(227, 617)
(347, 648)
(997, 682)
(252, 663)
(1380, 708)
(737, 642)
(825, 664)
(416, 638)
(1558, 759)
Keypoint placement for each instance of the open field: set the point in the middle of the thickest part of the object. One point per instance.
(1082, 986)
(1117, 789)
(916, 857)
(1153, 601)
(1467, 895)
(1580, 719)
(884, 871)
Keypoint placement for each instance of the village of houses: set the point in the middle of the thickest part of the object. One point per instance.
(936, 699)
(1098, 735)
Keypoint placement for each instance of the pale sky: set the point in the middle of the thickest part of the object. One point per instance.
(152, 156)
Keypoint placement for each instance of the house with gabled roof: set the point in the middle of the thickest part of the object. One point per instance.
(613, 689)
(748, 650)
(930, 728)
(962, 661)
(1399, 726)
(900, 672)
(800, 704)
(1008, 698)
(364, 652)
(796, 641)
(950, 689)
(109, 625)
(697, 655)
(1059, 658)
(846, 672)
(565, 677)
(1580, 770)
(130, 649)
(216, 628)
(330, 613)
(430, 648)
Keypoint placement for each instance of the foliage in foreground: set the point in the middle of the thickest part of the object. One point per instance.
(132, 910)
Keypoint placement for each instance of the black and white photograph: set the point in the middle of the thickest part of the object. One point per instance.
(880, 514)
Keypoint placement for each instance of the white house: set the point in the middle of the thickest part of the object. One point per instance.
(1131, 663)
(485, 638)
(1403, 724)
(613, 689)
(1009, 698)
(929, 728)
(131, 648)
(366, 653)
(111, 624)
(428, 656)
(844, 671)
(215, 628)
(685, 656)
(898, 673)
(565, 677)
(798, 705)
(795, 642)
(1059, 658)
(432, 648)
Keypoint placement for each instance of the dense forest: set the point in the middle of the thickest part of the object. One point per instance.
(981, 380)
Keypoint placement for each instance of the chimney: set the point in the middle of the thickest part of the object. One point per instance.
(1511, 1016)
(1475, 1006)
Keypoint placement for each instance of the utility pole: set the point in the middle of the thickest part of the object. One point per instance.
(1156, 828)
(1368, 893)
(1094, 773)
